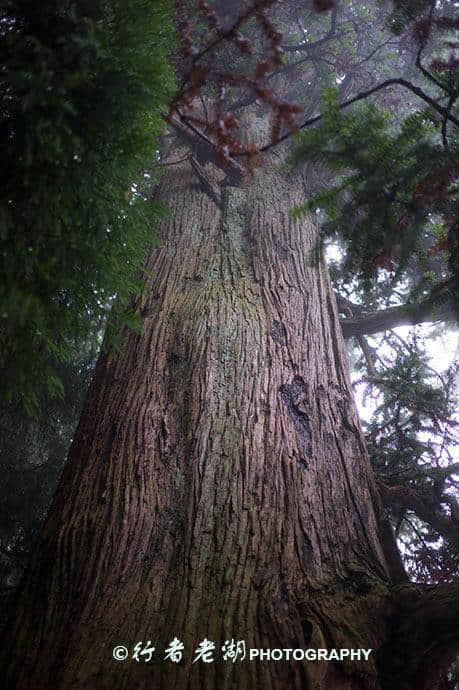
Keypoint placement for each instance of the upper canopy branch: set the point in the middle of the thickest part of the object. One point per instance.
(365, 94)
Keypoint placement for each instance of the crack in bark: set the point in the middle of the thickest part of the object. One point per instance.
(294, 396)
(279, 332)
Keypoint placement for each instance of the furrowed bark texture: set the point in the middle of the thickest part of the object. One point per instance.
(218, 486)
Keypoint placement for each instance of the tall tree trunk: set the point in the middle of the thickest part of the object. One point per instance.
(218, 485)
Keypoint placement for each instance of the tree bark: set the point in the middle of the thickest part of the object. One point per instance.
(218, 485)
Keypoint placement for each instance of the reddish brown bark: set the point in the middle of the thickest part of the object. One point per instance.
(218, 486)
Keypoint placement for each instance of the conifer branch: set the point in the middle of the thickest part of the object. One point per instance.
(365, 94)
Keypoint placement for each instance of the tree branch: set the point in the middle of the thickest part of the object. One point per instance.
(404, 315)
(345, 306)
(210, 189)
(409, 498)
(203, 148)
(423, 44)
(365, 94)
(368, 355)
(311, 46)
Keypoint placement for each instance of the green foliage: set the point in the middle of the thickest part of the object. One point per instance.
(414, 403)
(390, 182)
(83, 87)
(412, 440)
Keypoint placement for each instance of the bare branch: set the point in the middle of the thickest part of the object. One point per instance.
(423, 44)
(444, 126)
(203, 147)
(345, 306)
(308, 47)
(368, 354)
(404, 315)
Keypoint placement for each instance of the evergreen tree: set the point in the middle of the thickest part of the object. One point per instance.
(83, 88)
(168, 400)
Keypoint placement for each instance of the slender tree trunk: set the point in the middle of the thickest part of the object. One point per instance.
(218, 485)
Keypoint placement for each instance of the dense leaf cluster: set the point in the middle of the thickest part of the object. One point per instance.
(391, 198)
(83, 87)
